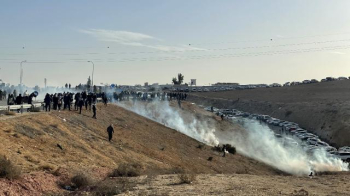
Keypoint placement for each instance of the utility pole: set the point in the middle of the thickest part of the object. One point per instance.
(45, 81)
(92, 79)
(21, 76)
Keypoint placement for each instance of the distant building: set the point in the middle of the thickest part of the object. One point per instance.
(193, 82)
(146, 84)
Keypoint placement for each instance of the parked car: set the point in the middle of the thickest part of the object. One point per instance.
(330, 79)
(314, 81)
(206, 90)
(345, 156)
(312, 141)
(342, 78)
(306, 82)
(286, 84)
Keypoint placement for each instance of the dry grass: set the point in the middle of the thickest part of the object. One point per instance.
(127, 170)
(187, 178)
(8, 169)
(109, 188)
(31, 159)
(48, 167)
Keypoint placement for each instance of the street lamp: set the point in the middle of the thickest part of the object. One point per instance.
(92, 79)
(21, 75)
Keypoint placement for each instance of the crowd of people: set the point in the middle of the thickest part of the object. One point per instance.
(68, 99)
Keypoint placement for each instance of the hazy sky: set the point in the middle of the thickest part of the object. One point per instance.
(132, 42)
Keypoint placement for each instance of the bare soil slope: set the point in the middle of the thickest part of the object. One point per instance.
(30, 141)
(322, 108)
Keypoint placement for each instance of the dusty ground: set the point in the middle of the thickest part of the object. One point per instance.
(246, 184)
(30, 141)
(322, 108)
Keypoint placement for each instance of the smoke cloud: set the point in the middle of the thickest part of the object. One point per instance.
(256, 140)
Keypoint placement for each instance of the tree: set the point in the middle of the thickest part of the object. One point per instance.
(179, 80)
(66, 85)
(175, 81)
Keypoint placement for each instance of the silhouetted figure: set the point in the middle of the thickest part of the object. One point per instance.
(224, 150)
(94, 111)
(110, 131)
(19, 101)
(60, 100)
(222, 117)
(47, 101)
(81, 103)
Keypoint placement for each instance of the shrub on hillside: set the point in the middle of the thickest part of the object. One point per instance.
(288, 113)
(114, 188)
(127, 170)
(187, 178)
(230, 149)
(8, 169)
(81, 180)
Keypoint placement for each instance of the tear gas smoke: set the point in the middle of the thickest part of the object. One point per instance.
(256, 140)
(259, 142)
(161, 112)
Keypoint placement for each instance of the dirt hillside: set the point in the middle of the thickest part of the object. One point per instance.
(321, 108)
(31, 141)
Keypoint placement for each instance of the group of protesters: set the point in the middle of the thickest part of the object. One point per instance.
(3, 95)
(79, 99)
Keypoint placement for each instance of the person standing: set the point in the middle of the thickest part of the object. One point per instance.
(94, 111)
(60, 100)
(110, 131)
(81, 103)
(47, 101)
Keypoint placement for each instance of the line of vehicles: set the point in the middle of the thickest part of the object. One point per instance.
(327, 79)
(289, 133)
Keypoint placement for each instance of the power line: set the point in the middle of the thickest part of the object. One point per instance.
(199, 57)
(198, 50)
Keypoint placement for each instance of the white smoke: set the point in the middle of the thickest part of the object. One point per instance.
(256, 141)
(260, 143)
(162, 112)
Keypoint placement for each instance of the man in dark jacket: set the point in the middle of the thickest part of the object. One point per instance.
(47, 101)
(19, 101)
(81, 103)
(110, 131)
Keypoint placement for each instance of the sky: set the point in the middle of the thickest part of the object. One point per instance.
(132, 42)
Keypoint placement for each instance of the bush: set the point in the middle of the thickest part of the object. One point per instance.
(80, 181)
(127, 170)
(115, 187)
(288, 113)
(200, 146)
(187, 178)
(8, 170)
(230, 149)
